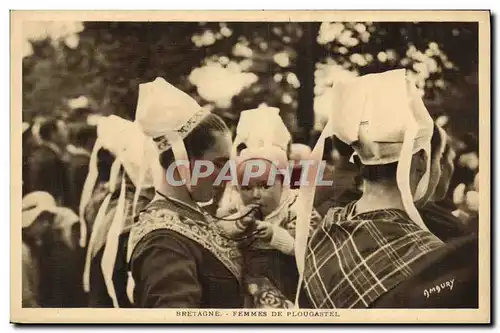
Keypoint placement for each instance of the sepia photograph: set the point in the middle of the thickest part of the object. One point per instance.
(250, 167)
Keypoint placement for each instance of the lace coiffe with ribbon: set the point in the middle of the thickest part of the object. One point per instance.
(264, 136)
(166, 115)
(129, 145)
(385, 120)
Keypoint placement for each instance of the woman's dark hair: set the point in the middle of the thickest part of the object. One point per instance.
(199, 140)
(332, 143)
(104, 162)
(343, 148)
(85, 136)
(327, 151)
(27, 233)
(240, 148)
(48, 128)
(377, 173)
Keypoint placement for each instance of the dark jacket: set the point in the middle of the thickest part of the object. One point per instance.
(442, 223)
(60, 269)
(172, 270)
(447, 278)
(78, 167)
(47, 172)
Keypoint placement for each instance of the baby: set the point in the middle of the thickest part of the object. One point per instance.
(266, 229)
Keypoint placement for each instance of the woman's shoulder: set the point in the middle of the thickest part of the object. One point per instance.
(155, 215)
(166, 239)
(160, 215)
(160, 225)
(337, 214)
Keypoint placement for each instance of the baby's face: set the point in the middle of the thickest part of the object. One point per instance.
(259, 192)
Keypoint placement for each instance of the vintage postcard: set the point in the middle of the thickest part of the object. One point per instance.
(250, 167)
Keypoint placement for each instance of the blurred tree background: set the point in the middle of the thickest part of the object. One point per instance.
(82, 70)
(77, 69)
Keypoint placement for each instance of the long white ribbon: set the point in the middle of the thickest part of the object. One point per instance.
(112, 242)
(403, 174)
(140, 181)
(96, 228)
(98, 221)
(180, 155)
(305, 205)
(88, 189)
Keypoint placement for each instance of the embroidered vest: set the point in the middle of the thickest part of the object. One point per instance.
(160, 215)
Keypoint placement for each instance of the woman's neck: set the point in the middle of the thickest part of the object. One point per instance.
(179, 193)
(378, 196)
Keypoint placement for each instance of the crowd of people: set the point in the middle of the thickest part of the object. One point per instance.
(104, 226)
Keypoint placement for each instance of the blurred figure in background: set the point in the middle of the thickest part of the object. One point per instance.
(462, 195)
(46, 170)
(78, 162)
(101, 188)
(27, 146)
(30, 278)
(439, 219)
(50, 244)
(466, 199)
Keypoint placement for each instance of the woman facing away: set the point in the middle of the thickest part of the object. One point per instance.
(105, 274)
(438, 219)
(50, 253)
(177, 259)
(377, 251)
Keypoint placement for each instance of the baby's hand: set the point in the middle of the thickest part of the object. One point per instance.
(265, 231)
(245, 222)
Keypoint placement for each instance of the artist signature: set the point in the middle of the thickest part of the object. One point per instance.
(439, 287)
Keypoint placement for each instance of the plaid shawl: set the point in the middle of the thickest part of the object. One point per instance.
(350, 262)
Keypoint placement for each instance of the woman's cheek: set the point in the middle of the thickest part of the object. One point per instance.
(245, 197)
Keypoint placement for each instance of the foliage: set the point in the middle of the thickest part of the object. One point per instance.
(230, 67)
